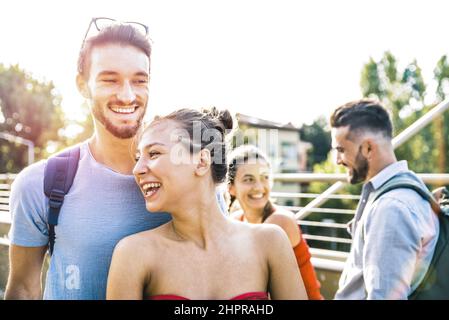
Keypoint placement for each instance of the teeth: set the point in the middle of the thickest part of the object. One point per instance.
(149, 193)
(257, 196)
(150, 188)
(147, 186)
(123, 110)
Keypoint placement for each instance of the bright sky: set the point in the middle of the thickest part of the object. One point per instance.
(278, 60)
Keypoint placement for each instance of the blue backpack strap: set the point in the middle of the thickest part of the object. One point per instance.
(59, 174)
(435, 284)
(405, 181)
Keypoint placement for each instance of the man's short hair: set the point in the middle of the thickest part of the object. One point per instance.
(121, 34)
(363, 115)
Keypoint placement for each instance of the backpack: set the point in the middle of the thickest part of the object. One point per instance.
(435, 284)
(60, 171)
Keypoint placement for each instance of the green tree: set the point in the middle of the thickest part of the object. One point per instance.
(402, 91)
(318, 135)
(441, 128)
(30, 109)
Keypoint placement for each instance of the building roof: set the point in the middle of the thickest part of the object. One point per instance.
(261, 123)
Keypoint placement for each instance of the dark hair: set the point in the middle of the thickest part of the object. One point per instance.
(122, 34)
(243, 155)
(209, 121)
(364, 114)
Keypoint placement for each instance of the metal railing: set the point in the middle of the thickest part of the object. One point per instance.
(347, 214)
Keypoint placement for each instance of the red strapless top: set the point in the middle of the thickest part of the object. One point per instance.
(243, 296)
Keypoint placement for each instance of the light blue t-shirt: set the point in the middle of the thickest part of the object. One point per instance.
(102, 207)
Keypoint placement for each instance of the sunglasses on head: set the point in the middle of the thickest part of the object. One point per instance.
(101, 23)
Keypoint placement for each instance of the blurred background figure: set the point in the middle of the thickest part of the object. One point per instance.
(249, 182)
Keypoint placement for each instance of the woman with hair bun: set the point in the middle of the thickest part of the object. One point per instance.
(249, 182)
(200, 253)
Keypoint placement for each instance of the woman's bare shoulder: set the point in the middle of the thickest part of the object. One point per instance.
(140, 242)
(250, 230)
(287, 221)
(280, 211)
(265, 233)
(282, 217)
(263, 239)
(270, 239)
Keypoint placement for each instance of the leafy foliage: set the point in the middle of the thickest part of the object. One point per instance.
(318, 135)
(31, 109)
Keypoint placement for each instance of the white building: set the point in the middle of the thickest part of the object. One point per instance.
(281, 143)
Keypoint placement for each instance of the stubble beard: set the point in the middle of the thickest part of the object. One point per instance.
(121, 132)
(360, 169)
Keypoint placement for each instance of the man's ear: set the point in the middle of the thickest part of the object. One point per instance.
(204, 162)
(81, 84)
(367, 148)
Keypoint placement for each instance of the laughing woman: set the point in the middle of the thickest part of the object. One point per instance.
(200, 253)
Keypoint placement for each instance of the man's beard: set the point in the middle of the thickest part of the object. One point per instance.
(360, 169)
(121, 132)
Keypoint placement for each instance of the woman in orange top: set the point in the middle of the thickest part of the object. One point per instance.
(249, 182)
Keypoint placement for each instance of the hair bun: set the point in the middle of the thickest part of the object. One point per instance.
(226, 119)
